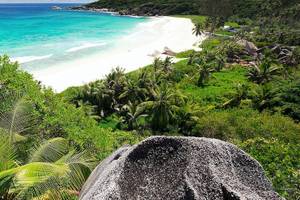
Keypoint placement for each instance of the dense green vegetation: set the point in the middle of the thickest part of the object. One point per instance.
(32, 115)
(226, 91)
(287, 9)
(276, 21)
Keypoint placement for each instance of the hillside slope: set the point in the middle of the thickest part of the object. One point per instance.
(225, 8)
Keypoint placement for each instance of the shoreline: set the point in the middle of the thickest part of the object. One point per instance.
(85, 8)
(132, 52)
(113, 13)
(97, 10)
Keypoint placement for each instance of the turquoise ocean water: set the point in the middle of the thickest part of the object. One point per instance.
(38, 36)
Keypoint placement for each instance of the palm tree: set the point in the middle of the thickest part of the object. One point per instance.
(157, 63)
(116, 80)
(148, 82)
(212, 23)
(197, 30)
(289, 100)
(132, 114)
(162, 69)
(188, 116)
(132, 92)
(205, 71)
(291, 57)
(17, 120)
(105, 94)
(296, 56)
(167, 65)
(220, 61)
(53, 171)
(240, 94)
(145, 79)
(262, 97)
(162, 110)
(89, 110)
(99, 95)
(264, 71)
(191, 58)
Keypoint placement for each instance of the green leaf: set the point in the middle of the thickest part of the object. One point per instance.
(51, 151)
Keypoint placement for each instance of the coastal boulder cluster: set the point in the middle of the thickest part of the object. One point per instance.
(179, 168)
(141, 11)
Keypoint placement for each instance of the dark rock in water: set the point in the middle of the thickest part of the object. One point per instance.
(179, 168)
(56, 8)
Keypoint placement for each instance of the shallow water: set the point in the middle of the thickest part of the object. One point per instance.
(39, 37)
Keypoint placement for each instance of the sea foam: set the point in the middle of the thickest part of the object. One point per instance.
(26, 59)
(85, 46)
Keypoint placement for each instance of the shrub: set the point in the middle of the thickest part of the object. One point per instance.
(280, 162)
(271, 139)
(232, 24)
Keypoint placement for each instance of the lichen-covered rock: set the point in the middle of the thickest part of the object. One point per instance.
(171, 168)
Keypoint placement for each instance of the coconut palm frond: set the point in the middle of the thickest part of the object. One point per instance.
(58, 180)
(7, 161)
(264, 71)
(32, 174)
(38, 172)
(7, 154)
(51, 151)
(37, 179)
(198, 29)
(48, 195)
(66, 183)
(81, 158)
(18, 120)
(80, 166)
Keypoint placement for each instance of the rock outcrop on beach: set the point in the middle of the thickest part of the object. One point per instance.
(173, 168)
(141, 11)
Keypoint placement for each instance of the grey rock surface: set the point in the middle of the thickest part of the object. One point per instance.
(249, 47)
(179, 168)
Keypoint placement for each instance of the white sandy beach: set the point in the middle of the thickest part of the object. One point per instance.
(133, 51)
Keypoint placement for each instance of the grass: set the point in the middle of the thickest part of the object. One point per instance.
(184, 54)
(224, 32)
(183, 67)
(232, 24)
(210, 43)
(220, 85)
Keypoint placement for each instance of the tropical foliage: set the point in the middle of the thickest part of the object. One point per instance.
(49, 146)
(263, 72)
(52, 170)
(51, 141)
(242, 98)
